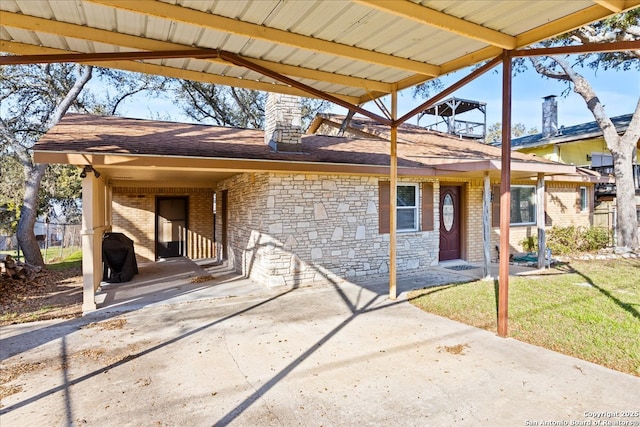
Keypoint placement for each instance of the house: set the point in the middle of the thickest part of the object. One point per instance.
(582, 145)
(291, 209)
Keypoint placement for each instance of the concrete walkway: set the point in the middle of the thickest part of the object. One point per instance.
(230, 352)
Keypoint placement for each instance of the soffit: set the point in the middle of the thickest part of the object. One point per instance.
(351, 49)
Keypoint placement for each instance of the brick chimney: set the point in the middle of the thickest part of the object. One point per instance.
(549, 116)
(283, 122)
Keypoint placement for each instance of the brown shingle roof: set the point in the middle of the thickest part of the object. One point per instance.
(81, 133)
(429, 146)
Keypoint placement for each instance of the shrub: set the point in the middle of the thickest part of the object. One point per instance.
(593, 239)
(563, 240)
(568, 240)
(530, 244)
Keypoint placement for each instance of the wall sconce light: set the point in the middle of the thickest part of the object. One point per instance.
(87, 169)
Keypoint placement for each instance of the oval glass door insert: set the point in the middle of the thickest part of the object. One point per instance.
(447, 212)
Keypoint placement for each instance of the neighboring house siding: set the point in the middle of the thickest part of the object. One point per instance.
(573, 153)
(134, 216)
(295, 229)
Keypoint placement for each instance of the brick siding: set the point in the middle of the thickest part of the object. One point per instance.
(134, 216)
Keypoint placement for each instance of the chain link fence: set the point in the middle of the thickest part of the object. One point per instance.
(56, 240)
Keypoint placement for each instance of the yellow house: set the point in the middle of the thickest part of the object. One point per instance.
(581, 145)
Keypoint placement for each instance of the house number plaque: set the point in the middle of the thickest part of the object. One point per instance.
(447, 212)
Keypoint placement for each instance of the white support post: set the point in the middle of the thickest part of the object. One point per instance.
(94, 213)
(486, 227)
(540, 221)
(88, 245)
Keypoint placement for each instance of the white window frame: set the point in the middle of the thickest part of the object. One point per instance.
(415, 208)
(584, 199)
(533, 200)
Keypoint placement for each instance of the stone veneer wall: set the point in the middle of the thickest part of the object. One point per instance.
(134, 216)
(287, 229)
(283, 122)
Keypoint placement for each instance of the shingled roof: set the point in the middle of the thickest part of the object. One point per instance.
(90, 139)
(570, 133)
(417, 142)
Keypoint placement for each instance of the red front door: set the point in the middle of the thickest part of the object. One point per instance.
(449, 223)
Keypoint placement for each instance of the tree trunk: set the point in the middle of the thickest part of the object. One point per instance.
(33, 174)
(625, 199)
(29, 213)
(621, 148)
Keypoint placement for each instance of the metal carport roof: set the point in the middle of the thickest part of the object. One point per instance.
(354, 50)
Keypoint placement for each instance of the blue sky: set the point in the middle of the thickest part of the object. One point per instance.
(618, 90)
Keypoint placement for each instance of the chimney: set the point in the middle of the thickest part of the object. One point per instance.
(549, 116)
(283, 122)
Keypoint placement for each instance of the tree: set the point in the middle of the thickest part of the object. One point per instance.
(34, 98)
(494, 132)
(625, 26)
(229, 106)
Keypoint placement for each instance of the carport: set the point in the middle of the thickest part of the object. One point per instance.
(348, 52)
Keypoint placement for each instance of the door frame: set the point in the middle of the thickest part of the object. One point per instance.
(186, 220)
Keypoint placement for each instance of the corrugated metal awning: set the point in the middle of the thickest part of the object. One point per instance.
(355, 50)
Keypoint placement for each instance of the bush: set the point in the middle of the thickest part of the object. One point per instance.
(569, 240)
(593, 239)
(530, 244)
(563, 240)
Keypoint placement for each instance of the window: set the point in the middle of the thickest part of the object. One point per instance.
(407, 207)
(523, 205)
(583, 201)
(414, 207)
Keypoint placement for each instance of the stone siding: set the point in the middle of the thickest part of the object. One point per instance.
(301, 229)
(283, 122)
(134, 216)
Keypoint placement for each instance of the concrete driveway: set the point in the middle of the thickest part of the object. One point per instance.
(230, 352)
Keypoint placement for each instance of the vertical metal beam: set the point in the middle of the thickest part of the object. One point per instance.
(486, 226)
(393, 196)
(540, 222)
(505, 197)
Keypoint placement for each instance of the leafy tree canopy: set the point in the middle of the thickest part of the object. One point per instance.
(235, 107)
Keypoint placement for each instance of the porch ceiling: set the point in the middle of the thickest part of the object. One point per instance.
(353, 50)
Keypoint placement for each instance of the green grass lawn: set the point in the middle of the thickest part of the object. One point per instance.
(586, 309)
(51, 255)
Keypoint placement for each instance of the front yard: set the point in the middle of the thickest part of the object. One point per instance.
(586, 309)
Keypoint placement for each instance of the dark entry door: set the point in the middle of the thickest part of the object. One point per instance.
(171, 226)
(449, 223)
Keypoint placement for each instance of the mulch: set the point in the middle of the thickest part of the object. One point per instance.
(50, 295)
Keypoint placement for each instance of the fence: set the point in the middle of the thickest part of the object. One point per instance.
(56, 240)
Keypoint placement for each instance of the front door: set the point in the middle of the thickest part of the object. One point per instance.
(171, 226)
(449, 223)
